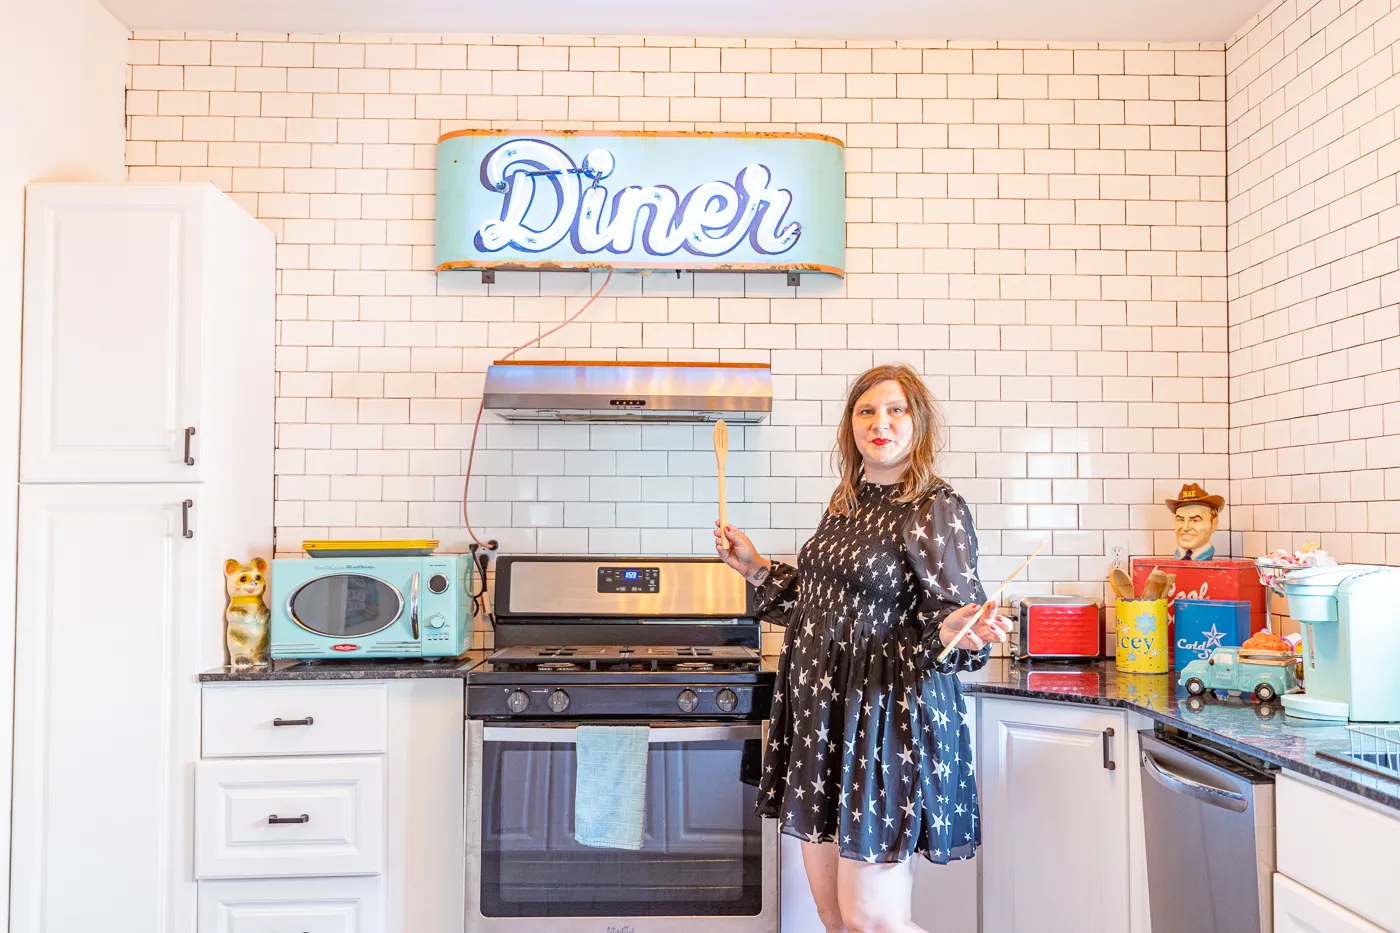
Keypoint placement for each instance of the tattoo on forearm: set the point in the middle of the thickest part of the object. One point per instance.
(759, 576)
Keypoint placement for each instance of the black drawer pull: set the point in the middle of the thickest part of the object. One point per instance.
(279, 721)
(274, 819)
(1108, 761)
(189, 433)
(185, 529)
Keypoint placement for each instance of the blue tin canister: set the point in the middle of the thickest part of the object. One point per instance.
(1202, 625)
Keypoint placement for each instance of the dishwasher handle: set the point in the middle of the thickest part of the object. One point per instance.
(1205, 793)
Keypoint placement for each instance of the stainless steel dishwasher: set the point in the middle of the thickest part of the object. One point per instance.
(1209, 823)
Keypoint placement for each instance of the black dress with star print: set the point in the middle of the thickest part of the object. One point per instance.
(869, 746)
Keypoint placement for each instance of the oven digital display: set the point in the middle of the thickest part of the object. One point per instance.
(629, 579)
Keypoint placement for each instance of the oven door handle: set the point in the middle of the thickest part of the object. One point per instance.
(565, 735)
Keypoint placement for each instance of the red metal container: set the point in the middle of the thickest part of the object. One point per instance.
(1222, 578)
(1059, 627)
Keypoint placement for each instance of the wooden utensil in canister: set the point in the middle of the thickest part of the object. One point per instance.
(721, 453)
(1155, 586)
(1122, 583)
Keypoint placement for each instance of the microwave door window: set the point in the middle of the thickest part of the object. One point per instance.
(345, 605)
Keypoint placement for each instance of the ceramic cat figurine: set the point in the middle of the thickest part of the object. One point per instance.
(246, 615)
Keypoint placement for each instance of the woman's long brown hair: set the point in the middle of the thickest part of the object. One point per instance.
(921, 477)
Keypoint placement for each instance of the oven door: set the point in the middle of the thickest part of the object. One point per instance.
(706, 854)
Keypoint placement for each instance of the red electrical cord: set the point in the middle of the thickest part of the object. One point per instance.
(471, 452)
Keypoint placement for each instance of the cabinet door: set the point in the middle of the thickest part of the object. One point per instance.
(1055, 828)
(111, 334)
(106, 710)
(1300, 910)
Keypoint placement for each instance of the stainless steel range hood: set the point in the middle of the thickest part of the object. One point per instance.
(634, 392)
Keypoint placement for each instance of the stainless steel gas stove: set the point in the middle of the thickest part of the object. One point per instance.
(666, 642)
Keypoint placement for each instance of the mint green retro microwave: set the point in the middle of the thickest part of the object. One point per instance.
(371, 607)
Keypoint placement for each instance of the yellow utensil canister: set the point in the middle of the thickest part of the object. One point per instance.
(1142, 636)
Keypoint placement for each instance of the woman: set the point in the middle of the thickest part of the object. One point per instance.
(869, 758)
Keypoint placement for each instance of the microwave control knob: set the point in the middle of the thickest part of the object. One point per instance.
(437, 620)
(517, 701)
(558, 701)
(687, 701)
(727, 700)
(437, 583)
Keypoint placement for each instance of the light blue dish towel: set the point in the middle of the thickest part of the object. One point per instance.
(610, 787)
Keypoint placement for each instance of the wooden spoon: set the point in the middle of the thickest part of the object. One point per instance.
(1122, 583)
(1155, 586)
(990, 599)
(721, 453)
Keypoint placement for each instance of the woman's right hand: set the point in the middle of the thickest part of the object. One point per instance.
(741, 554)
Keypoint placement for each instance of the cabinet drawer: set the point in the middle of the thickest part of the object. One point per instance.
(1298, 910)
(262, 818)
(294, 719)
(315, 905)
(1339, 847)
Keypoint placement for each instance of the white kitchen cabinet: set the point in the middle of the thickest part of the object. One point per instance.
(386, 806)
(1339, 845)
(324, 905)
(278, 817)
(106, 709)
(1058, 855)
(147, 308)
(1300, 910)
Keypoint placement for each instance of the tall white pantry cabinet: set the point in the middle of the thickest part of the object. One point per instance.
(145, 462)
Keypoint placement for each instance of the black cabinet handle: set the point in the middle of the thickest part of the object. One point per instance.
(185, 518)
(1108, 762)
(279, 721)
(189, 460)
(274, 819)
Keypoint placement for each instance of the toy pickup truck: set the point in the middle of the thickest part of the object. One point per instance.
(1266, 674)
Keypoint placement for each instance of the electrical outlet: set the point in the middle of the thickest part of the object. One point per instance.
(1120, 557)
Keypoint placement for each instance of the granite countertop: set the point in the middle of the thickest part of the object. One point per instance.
(1260, 730)
(387, 669)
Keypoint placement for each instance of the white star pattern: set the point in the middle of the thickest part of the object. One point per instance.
(857, 674)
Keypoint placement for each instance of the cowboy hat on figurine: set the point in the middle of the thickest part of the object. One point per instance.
(1197, 515)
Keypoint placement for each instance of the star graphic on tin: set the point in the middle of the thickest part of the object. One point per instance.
(1214, 638)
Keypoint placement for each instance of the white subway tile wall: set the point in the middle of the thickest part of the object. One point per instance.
(1039, 229)
(1314, 279)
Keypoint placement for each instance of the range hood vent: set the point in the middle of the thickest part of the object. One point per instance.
(628, 392)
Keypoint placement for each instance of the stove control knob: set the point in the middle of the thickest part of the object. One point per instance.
(726, 700)
(517, 701)
(558, 701)
(687, 701)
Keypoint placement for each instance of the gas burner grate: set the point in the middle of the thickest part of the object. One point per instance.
(626, 657)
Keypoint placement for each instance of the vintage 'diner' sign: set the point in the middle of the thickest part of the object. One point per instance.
(575, 200)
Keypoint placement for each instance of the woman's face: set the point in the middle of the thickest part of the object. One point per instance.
(883, 426)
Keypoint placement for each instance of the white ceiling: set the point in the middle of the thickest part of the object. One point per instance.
(1070, 20)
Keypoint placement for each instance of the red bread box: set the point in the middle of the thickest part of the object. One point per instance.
(1221, 578)
(1061, 627)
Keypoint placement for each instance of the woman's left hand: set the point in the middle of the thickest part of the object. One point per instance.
(991, 627)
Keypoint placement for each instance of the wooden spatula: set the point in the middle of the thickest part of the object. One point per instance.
(1155, 586)
(721, 453)
(995, 593)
